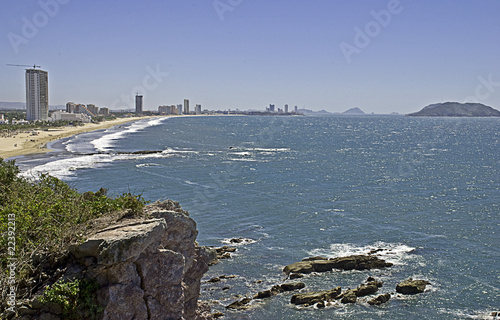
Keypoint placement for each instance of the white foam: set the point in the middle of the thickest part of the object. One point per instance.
(244, 241)
(396, 253)
(104, 143)
(65, 168)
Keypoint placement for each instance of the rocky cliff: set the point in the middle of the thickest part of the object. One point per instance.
(146, 268)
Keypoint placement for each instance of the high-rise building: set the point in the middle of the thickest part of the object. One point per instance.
(93, 110)
(104, 111)
(271, 108)
(198, 109)
(138, 104)
(37, 95)
(70, 107)
(295, 109)
(179, 109)
(286, 108)
(186, 106)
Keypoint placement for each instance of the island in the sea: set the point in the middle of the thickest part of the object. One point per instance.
(455, 109)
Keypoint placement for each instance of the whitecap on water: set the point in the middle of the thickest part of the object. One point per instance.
(105, 142)
(396, 253)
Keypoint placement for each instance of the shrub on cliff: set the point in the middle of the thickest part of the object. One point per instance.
(40, 218)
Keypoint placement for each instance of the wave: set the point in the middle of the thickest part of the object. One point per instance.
(396, 253)
(106, 142)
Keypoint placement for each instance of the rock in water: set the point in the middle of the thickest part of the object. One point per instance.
(355, 262)
(311, 298)
(383, 298)
(412, 286)
(349, 296)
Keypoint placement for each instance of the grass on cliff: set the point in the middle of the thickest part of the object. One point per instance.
(49, 215)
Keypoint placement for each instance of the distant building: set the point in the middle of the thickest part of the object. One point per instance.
(37, 95)
(104, 111)
(286, 108)
(198, 109)
(295, 109)
(167, 109)
(93, 110)
(63, 115)
(179, 109)
(186, 106)
(70, 107)
(271, 108)
(138, 104)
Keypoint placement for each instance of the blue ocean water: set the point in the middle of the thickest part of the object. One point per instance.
(426, 190)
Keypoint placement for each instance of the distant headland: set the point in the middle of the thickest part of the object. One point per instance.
(455, 109)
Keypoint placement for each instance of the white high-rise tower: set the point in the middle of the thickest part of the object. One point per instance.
(37, 95)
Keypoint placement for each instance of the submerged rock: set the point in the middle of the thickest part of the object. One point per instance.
(311, 298)
(355, 262)
(411, 286)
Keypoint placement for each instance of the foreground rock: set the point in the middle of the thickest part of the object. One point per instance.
(355, 262)
(411, 286)
(311, 298)
(147, 268)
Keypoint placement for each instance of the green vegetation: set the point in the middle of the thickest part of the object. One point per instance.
(49, 216)
(77, 298)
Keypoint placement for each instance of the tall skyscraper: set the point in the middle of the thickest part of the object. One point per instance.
(286, 108)
(37, 95)
(138, 104)
(186, 106)
(198, 109)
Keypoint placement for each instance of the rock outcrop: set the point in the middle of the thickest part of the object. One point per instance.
(310, 298)
(355, 262)
(411, 286)
(147, 268)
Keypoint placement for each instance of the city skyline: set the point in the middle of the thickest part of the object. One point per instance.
(380, 56)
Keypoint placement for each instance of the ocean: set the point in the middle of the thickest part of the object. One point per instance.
(425, 190)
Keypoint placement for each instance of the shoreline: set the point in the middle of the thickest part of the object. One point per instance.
(25, 143)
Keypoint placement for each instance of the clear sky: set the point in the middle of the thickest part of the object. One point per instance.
(381, 56)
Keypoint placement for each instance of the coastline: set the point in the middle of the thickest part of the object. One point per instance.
(25, 143)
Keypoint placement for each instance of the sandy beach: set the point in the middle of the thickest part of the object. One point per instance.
(35, 141)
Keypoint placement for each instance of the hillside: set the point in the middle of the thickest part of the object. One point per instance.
(355, 110)
(455, 109)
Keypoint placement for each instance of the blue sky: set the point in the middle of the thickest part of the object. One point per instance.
(380, 56)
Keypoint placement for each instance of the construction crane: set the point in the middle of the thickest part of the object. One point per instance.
(24, 65)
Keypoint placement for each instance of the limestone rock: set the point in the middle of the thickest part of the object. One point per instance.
(411, 286)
